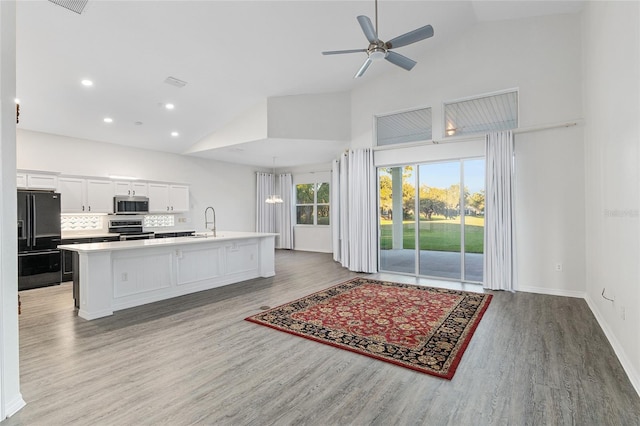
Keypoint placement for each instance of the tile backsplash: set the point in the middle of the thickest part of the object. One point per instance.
(81, 222)
(158, 220)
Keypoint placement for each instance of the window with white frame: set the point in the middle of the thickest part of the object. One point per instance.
(481, 114)
(312, 203)
(403, 127)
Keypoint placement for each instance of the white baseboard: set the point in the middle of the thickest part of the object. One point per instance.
(553, 291)
(14, 405)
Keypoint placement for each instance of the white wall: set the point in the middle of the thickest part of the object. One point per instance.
(612, 134)
(324, 116)
(228, 188)
(540, 57)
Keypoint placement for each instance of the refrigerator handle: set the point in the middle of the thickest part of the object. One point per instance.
(28, 229)
(33, 220)
(21, 228)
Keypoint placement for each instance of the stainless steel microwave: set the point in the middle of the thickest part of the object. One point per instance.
(130, 205)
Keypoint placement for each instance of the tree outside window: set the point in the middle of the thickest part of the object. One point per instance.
(312, 203)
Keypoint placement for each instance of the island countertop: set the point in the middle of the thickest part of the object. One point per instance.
(162, 242)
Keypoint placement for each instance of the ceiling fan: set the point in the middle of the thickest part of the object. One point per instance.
(378, 49)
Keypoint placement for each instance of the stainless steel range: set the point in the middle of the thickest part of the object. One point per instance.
(129, 229)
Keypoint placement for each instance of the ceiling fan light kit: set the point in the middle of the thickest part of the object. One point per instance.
(378, 49)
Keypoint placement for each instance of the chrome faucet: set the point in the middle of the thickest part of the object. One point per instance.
(207, 222)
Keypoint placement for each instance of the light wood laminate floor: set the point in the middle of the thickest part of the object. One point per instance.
(534, 360)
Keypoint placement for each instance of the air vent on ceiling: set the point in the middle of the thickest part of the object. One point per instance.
(175, 82)
(76, 6)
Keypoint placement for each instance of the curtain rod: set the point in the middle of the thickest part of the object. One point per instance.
(480, 136)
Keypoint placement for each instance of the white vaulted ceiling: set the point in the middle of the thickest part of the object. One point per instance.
(233, 55)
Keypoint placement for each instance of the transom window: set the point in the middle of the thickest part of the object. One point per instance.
(481, 114)
(403, 127)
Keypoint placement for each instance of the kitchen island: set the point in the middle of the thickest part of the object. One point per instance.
(123, 274)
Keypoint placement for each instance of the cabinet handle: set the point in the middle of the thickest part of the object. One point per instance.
(82, 208)
(171, 208)
(134, 192)
(128, 192)
(167, 208)
(89, 208)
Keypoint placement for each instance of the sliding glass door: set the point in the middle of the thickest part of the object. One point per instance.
(432, 219)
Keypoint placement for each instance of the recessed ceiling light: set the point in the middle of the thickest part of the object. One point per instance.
(87, 83)
(108, 120)
(175, 134)
(169, 106)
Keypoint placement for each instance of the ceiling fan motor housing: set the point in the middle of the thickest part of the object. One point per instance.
(377, 51)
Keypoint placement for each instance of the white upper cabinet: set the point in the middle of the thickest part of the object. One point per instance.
(179, 198)
(165, 198)
(85, 195)
(37, 181)
(21, 180)
(100, 196)
(131, 189)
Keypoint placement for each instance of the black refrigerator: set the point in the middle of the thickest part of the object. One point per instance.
(38, 239)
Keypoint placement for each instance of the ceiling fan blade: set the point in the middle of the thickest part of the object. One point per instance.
(363, 68)
(400, 60)
(410, 37)
(339, 52)
(368, 29)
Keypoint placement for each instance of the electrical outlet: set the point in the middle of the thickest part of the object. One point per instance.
(125, 276)
(623, 314)
(558, 267)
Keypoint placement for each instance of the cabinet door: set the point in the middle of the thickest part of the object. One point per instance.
(130, 189)
(159, 198)
(100, 196)
(21, 180)
(72, 198)
(139, 189)
(42, 181)
(179, 198)
(122, 188)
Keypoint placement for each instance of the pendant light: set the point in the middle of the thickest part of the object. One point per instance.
(274, 198)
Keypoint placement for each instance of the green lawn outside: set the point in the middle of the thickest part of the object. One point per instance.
(438, 235)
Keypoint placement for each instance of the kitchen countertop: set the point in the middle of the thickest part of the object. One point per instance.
(162, 242)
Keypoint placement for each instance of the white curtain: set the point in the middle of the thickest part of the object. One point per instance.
(356, 212)
(265, 213)
(284, 212)
(334, 206)
(499, 239)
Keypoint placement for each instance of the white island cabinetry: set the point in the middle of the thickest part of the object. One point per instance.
(124, 274)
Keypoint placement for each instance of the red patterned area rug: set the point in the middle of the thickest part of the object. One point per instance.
(422, 328)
